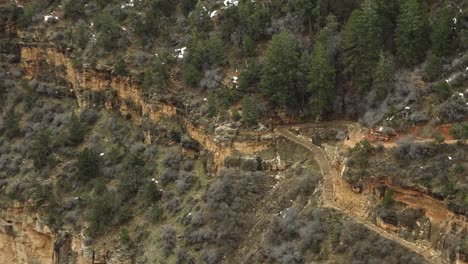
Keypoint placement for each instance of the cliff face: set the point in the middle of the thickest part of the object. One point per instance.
(128, 99)
(37, 242)
(24, 238)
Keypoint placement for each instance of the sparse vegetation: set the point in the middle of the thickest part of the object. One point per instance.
(99, 99)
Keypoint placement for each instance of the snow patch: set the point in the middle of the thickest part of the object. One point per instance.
(229, 3)
(51, 18)
(214, 13)
(129, 4)
(181, 52)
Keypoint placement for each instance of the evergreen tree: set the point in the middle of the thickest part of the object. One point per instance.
(279, 72)
(382, 77)
(200, 19)
(40, 149)
(248, 46)
(433, 67)
(76, 131)
(188, 5)
(74, 8)
(11, 124)
(87, 164)
(387, 11)
(442, 31)
(230, 22)
(253, 19)
(120, 66)
(3, 92)
(250, 114)
(322, 81)
(156, 76)
(192, 74)
(411, 32)
(215, 50)
(194, 59)
(327, 33)
(362, 44)
(305, 10)
(109, 31)
(81, 36)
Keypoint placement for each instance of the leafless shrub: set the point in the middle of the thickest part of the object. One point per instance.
(210, 256)
(169, 239)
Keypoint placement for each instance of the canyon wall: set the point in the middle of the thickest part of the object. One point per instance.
(126, 90)
(24, 238)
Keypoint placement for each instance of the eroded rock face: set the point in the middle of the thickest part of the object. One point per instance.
(24, 238)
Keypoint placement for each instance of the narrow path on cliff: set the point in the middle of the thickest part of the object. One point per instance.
(329, 201)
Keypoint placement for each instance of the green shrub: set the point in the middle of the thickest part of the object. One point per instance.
(25, 18)
(124, 236)
(388, 198)
(156, 214)
(74, 8)
(151, 193)
(40, 149)
(11, 124)
(101, 212)
(120, 67)
(250, 112)
(442, 90)
(433, 67)
(88, 165)
(76, 131)
(459, 131)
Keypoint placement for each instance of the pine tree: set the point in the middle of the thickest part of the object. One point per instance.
(156, 76)
(326, 34)
(215, 50)
(442, 31)
(76, 131)
(322, 81)
(279, 72)
(74, 8)
(81, 36)
(411, 32)
(382, 77)
(200, 19)
(362, 44)
(433, 67)
(11, 124)
(120, 67)
(40, 150)
(387, 11)
(250, 113)
(88, 164)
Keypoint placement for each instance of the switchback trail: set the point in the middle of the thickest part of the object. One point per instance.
(329, 201)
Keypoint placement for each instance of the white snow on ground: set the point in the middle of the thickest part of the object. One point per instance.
(454, 20)
(181, 52)
(228, 3)
(214, 13)
(50, 18)
(129, 4)
(234, 79)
